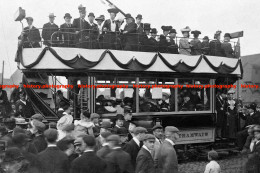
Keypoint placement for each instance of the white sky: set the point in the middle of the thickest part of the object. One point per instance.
(204, 15)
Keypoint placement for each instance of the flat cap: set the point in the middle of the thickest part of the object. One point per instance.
(52, 125)
(106, 125)
(149, 137)
(77, 141)
(69, 127)
(138, 130)
(115, 138)
(51, 134)
(213, 154)
(38, 117)
(122, 131)
(105, 134)
(157, 126)
(119, 117)
(13, 154)
(39, 125)
(171, 129)
(94, 115)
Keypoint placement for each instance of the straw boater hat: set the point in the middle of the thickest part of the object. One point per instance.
(51, 15)
(101, 17)
(186, 29)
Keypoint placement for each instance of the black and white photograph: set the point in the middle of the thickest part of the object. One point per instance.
(120, 86)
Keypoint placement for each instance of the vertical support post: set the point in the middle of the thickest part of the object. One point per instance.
(176, 95)
(137, 95)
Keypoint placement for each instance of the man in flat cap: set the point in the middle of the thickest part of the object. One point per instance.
(52, 158)
(144, 160)
(82, 29)
(30, 36)
(111, 29)
(67, 35)
(89, 161)
(134, 145)
(119, 123)
(226, 46)
(94, 117)
(38, 117)
(158, 133)
(104, 150)
(172, 45)
(50, 32)
(195, 43)
(37, 128)
(167, 158)
(117, 160)
(105, 127)
(129, 33)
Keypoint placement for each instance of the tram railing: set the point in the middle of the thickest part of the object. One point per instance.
(92, 39)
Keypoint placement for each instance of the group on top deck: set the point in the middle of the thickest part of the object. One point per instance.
(111, 34)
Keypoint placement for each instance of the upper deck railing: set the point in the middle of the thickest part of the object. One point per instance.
(93, 39)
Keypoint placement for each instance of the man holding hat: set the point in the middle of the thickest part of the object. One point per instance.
(52, 158)
(158, 133)
(129, 33)
(30, 36)
(215, 45)
(195, 43)
(172, 45)
(167, 157)
(226, 46)
(82, 28)
(49, 32)
(144, 160)
(117, 160)
(89, 161)
(134, 145)
(67, 32)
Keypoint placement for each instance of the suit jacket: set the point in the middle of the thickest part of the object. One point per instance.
(94, 31)
(167, 158)
(53, 160)
(40, 143)
(155, 152)
(153, 45)
(67, 34)
(31, 37)
(172, 47)
(227, 48)
(47, 31)
(118, 161)
(131, 35)
(80, 25)
(88, 163)
(140, 28)
(215, 48)
(107, 24)
(254, 158)
(102, 152)
(132, 149)
(5, 103)
(144, 162)
(26, 111)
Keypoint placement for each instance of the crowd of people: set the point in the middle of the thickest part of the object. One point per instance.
(113, 34)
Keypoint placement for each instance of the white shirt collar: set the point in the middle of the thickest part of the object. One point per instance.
(105, 144)
(52, 145)
(88, 150)
(116, 148)
(118, 126)
(145, 147)
(136, 141)
(24, 102)
(170, 141)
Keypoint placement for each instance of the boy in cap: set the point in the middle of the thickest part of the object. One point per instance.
(215, 45)
(212, 166)
(49, 32)
(195, 43)
(117, 160)
(89, 160)
(144, 160)
(134, 145)
(167, 157)
(82, 28)
(104, 150)
(52, 158)
(67, 32)
(226, 46)
(30, 36)
(119, 123)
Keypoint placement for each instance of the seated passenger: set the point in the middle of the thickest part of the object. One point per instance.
(205, 45)
(226, 46)
(186, 105)
(30, 36)
(153, 44)
(185, 48)
(49, 32)
(129, 34)
(172, 46)
(164, 103)
(163, 43)
(194, 98)
(195, 43)
(215, 45)
(67, 36)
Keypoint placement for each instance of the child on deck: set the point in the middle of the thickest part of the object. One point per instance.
(212, 166)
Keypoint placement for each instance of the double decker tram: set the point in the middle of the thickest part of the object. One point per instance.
(159, 88)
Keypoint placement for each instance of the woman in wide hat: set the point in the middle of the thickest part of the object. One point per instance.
(185, 47)
(196, 43)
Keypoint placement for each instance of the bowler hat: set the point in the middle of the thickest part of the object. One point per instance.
(227, 35)
(186, 29)
(38, 117)
(122, 131)
(51, 135)
(101, 17)
(114, 138)
(128, 15)
(147, 26)
(113, 10)
(166, 28)
(67, 15)
(38, 125)
(153, 30)
(157, 126)
(29, 18)
(51, 15)
(171, 129)
(119, 117)
(13, 154)
(196, 32)
(138, 130)
(173, 31)
(139, 16)
(91, 14)
(149, 137)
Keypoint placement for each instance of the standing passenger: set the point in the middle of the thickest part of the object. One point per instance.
(50, 32)
(185, 47)
(195, 43)
(215, 45)
(226, 46)
(67, 32)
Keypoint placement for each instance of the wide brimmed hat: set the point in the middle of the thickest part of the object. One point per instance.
(106, 125)
(154, 31)
(91, 14)
(82, 9)
(51, 15)
(227, 35)
(113, 10)
(28, 18)
(67, 15)
(139, 16)
(186, 29)
(128, 15)
(147, 26)
(196, 32)
(166, 28)
(101, 17)
(206, 38)
(173, 31)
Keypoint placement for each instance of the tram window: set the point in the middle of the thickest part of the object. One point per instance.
(194, 96)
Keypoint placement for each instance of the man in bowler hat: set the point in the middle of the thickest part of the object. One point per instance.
(172, 45)
(67, 35)
(49, 32)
